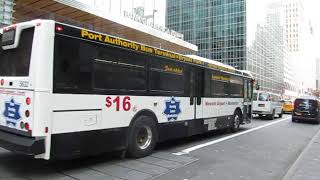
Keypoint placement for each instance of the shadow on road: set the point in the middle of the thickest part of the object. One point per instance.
(14, 165)
(209, 136)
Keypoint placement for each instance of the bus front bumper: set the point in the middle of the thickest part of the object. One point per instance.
(21, 144)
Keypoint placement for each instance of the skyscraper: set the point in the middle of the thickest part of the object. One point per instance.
(217, 27)
(231, 32)
(299, 37)
(266, 46)
(294, 24)
(6, 9)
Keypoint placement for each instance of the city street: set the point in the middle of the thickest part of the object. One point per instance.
(264, 149)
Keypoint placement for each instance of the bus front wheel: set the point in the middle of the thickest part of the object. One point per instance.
(142, 137)
(236, 121)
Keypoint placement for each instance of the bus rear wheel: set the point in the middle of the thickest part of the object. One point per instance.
(142, 137)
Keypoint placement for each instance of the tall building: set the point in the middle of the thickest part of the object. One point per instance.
(217, 27)
(294, 24)
(6, 10)
(266, 47)
(246, 34)
(299, 37)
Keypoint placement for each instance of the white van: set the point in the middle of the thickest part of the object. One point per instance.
(266, 103)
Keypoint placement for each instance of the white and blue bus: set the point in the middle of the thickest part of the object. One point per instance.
(67, 92)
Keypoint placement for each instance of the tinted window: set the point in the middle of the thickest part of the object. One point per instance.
(219, 84)
(236, 87)
(305, 103)
(88, 67)
(16, 62)
(115, 76)
(168, 76)
(73, 64)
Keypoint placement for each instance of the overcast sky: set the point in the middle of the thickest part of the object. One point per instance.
(312, 10)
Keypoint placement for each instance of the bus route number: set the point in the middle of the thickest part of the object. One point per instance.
(125, 103)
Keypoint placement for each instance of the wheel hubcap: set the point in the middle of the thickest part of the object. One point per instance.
(144, 137)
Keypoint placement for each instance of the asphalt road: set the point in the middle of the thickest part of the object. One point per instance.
(265, 153)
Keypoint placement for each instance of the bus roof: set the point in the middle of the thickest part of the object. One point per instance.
(210, 61)
(136, 46)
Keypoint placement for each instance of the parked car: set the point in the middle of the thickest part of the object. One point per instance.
(287, 106)
(306, 109)
(267, 104)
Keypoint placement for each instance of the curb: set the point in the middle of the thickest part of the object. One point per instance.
(293, 168)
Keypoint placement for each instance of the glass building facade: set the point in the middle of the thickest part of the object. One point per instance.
(246, 34)
(217, 27)
(6, 10)
(266, 45)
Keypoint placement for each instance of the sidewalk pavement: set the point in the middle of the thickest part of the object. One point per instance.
(307, 166)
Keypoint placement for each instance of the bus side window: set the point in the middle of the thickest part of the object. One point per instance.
(207, 83)
(236, 88)
(219, 84)
(119, 71)
(167, 77)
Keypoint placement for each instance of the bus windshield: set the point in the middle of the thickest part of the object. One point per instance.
(16, 62)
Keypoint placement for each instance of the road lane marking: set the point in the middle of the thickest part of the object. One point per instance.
(188, 150)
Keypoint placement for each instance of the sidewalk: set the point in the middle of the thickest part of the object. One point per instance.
(307, 166)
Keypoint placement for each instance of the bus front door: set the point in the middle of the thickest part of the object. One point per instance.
(196, 94)
(247, 101)
(197, 75)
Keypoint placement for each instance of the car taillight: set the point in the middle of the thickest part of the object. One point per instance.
(296, 104)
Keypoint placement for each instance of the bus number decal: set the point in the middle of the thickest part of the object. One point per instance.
(125, 103)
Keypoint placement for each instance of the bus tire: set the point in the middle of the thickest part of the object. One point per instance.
(142, 137)
(236, 121)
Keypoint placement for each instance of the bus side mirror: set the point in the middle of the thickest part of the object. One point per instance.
(257, 87)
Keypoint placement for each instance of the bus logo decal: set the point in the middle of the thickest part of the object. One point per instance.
(172, 109)
(11, 112)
